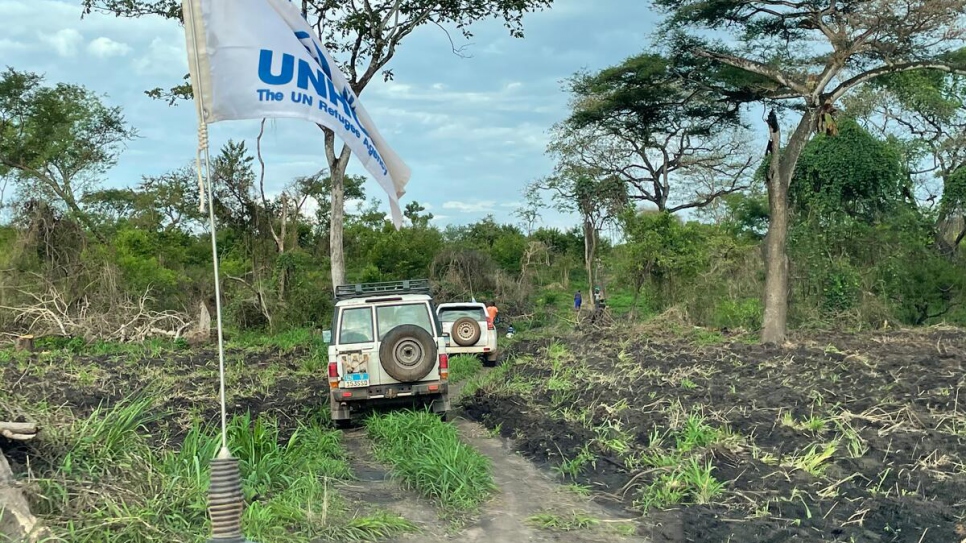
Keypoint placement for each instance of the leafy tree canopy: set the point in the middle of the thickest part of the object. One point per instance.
(853, 173)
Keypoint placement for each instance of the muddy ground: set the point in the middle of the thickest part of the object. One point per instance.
(594, 408)
(840, 437)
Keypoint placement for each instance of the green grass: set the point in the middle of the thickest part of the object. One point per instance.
(690, 482)
(462, 367)
(427, 455)
(285, 340)
(575, 521)
(676, 458)
(106, 481)
(499, 377)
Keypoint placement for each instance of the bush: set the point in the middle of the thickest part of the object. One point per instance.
(743, 313)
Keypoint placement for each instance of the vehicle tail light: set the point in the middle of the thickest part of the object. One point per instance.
(444, 367)
(490, 326)
(333, 375)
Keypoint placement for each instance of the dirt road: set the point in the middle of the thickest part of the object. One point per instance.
(523, 491)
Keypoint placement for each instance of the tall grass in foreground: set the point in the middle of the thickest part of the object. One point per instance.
(428, 456)
(106, 483)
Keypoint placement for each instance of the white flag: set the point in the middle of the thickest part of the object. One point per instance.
(251, 59)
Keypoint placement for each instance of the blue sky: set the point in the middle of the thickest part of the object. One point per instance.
(473, 129)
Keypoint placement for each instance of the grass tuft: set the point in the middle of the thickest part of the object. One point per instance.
(428, 456)
(464, 366)
(575, 521)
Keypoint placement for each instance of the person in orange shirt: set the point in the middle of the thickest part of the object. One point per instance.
(491, 312)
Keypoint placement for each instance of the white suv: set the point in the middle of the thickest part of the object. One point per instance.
(469, 331)
(386, 347)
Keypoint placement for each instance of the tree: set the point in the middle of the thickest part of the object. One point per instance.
(414, 214)
(643, 122)
(364, 36)
(529, 212)
(165, 203)
(659, 248)
(56, 141)
(596, 199)
(811, 53)
(925, 112)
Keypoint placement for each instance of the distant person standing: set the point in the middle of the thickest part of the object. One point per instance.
(491, 313)
(577, 301)
(597, 298)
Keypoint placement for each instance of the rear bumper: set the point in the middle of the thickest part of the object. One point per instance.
(401, 390)
(345, 400)
(476, 350)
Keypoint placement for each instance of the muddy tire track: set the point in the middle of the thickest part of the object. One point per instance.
(374, 487)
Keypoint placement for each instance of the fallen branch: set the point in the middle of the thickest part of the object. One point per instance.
(126, 320)
(17, 523)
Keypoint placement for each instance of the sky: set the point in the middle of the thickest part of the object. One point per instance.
(472, 128)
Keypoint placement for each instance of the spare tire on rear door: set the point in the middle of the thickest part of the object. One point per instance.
(465, 331)
(407, 353)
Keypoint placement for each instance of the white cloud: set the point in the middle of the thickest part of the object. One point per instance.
(104, 47)
(65, 42)
(165, 57)
(9, 46)
(483, 206)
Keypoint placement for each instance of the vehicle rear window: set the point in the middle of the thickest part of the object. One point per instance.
(356, 326)
(450, 314)
(391, 316)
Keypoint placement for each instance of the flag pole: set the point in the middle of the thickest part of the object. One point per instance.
(225, 500)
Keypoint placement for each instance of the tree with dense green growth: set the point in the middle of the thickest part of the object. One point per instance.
(55, 141)
(925, 112)
(812, 54)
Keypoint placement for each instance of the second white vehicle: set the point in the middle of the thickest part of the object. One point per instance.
(469, 331)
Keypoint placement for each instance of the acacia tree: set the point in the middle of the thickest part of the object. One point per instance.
(645, 123)
(810, 52)
(363, 35)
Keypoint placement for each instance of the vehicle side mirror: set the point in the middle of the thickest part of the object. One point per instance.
(327, 336)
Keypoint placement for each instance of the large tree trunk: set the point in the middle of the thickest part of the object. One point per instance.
(590, 248)
(780, 170)
(337, 167)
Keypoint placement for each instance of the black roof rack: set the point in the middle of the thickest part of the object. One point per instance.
(363, 290)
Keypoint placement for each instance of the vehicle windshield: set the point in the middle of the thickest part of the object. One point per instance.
(450, 314)
(356, 325)
(391, 316)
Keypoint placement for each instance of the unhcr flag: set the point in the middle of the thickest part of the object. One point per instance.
(253, 59)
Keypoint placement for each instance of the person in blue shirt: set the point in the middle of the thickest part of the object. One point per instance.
(577, 301)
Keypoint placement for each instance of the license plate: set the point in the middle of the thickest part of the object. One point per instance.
(353, 380)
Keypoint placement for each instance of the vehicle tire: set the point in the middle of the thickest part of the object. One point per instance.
(407, 353)
(465, 331)
(343, 424)
(490, 361)
(443, 416)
